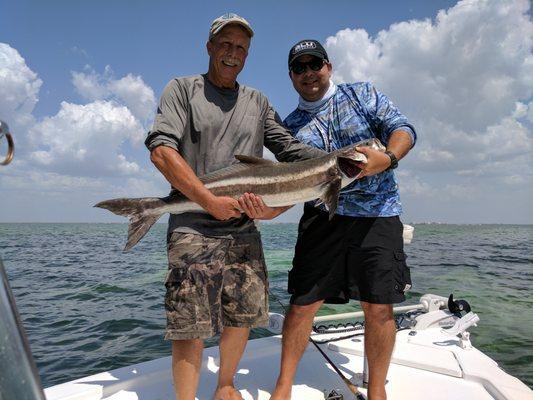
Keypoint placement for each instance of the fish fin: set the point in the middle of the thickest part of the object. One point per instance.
(253, 160)
(331, 196)
(232, 170)
(135, 210)
(139, 226)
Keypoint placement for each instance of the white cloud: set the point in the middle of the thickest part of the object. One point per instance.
(86, 140)
(19, 88)
(89, 85)
(49, 182)
(135, 94)
(471, 64)
(82, 154)
(32, 195)
(80, 51)
(465, 79)
(129, 90)
(146, 183)
(411, 185)
(530, 112)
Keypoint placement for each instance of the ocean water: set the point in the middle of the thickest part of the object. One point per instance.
(89, 307)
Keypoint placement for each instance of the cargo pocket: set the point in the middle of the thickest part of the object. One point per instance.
(175, 277)
(178, 284)
(262, 267)
(402, 275)
(245, 287)
(181, 299)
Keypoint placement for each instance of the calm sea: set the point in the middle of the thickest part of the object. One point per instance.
(88, 307)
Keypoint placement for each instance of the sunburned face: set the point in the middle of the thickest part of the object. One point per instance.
(311, 85)
(227, 54)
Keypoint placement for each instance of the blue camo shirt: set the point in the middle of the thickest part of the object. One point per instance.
(356, 112)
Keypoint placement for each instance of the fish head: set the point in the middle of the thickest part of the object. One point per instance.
(349, 159)
(372, 143)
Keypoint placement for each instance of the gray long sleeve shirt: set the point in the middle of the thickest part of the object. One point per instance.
(208, 125)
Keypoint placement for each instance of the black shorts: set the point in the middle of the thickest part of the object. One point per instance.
(347, 258)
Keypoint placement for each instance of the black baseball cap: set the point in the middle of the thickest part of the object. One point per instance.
(307, 46)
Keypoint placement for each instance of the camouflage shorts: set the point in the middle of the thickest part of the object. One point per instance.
(212, 283)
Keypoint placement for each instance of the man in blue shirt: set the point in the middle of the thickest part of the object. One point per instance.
(358, 254)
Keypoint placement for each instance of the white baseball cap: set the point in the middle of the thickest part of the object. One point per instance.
(229, 18)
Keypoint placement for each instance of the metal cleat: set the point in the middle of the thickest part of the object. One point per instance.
(460, 329)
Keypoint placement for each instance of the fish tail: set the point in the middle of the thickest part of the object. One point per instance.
(140, 213)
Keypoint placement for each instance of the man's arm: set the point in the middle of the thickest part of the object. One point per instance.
(180, 175)
(285, 148)
(393, 129)
(163, 142)
(400, 142)
(282, 144)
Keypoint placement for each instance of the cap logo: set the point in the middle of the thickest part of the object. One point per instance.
(304, 46)
(229, 16)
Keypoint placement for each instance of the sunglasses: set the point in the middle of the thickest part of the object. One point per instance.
(315, 64)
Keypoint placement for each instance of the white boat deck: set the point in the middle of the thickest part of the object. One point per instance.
(430, 364)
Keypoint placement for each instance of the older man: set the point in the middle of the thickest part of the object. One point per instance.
(216, 283)
(359, 253)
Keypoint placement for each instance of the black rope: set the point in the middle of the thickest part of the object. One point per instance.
(339, 328)
(336, 339)
(403, 322)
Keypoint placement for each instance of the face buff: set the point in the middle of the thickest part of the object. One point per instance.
(314, 106)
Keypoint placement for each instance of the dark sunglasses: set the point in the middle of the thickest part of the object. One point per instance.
(315, 64)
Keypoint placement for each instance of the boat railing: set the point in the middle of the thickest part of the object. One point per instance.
(360, 314)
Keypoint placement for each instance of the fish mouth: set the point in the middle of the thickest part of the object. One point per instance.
(348, 167)
(348, 161)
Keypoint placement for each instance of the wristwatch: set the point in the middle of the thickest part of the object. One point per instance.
(393, 160)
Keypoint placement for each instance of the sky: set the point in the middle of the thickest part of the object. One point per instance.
(79, 84)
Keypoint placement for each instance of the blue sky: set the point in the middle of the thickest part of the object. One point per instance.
(85, 77)
(162, 39)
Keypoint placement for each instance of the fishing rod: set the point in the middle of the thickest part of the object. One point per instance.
(353, 388)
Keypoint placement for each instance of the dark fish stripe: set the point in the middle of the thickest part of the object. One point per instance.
(286, 186)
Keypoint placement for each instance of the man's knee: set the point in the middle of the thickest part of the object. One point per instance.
(302, 312)
(379, 313)
(187, 346)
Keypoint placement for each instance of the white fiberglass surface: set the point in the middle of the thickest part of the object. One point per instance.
(257, 375)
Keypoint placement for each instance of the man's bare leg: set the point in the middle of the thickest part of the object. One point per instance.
(296, 331)
(232, 344)
(186, 363)
(380, 334)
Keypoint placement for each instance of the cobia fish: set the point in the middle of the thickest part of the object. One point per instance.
(278, 183)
